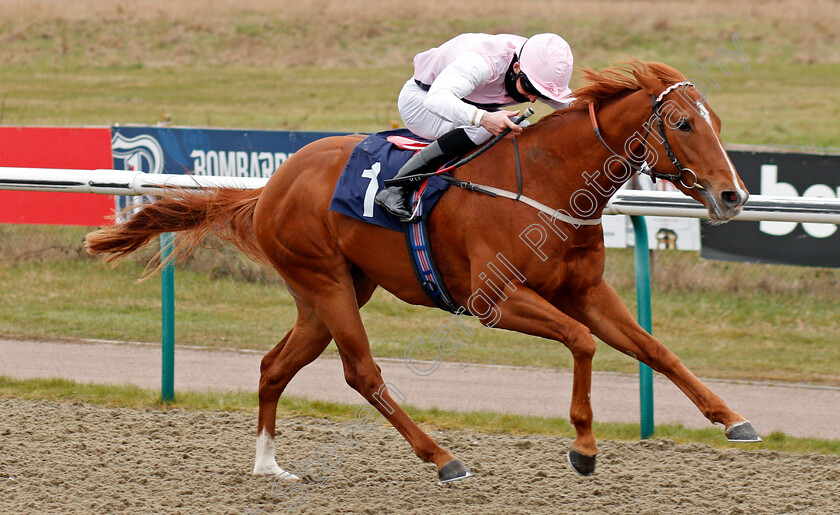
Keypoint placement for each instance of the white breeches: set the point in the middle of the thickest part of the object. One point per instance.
(427, 124)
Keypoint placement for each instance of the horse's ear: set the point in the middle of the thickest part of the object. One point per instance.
(651, 85)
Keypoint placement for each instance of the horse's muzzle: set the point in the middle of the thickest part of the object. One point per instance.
(725, 205)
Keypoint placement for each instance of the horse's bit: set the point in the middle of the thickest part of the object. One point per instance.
(645, 168)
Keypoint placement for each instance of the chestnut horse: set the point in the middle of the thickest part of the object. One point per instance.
(332, 263)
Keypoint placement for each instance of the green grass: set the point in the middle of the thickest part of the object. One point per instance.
(79, 299)
(132, 397)
(796, 102)
(303, 98)
(267, 65)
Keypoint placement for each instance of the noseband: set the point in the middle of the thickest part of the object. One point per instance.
(645, 168)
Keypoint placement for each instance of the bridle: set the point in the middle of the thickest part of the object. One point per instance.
(645, 168)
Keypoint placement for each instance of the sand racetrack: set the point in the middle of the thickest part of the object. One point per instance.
(79, 458)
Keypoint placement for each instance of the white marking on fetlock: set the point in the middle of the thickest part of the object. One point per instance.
(265, 464)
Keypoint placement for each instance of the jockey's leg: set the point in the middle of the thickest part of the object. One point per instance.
(449, 139)
(449, 146)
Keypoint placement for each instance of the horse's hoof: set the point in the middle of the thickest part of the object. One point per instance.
(274, 471)
(278, 476)
(742, 432)
(583, 465)
(453, 471)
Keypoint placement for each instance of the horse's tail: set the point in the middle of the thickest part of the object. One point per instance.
(227, 213)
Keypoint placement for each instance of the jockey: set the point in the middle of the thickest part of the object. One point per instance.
(458, 89)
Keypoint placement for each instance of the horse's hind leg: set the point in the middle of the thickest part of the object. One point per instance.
(328, 290)
(301, 345)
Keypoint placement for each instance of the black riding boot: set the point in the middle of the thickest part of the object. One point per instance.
(394, 199)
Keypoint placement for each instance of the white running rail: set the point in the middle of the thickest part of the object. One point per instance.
(625, 202)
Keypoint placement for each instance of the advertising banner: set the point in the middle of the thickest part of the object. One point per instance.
(238, 153)
(48, 147)
(218, 152)
(780, 174)
(215, 152)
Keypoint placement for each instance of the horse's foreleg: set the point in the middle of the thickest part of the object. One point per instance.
(526, 312)
(305, 342)
(602, 310)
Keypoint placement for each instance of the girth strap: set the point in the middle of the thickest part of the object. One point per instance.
(423, 263)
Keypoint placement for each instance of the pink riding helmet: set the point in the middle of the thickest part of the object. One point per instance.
(547, 61)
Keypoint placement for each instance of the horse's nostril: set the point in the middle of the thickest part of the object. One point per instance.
(731, 198)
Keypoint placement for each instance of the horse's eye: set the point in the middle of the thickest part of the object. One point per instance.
(684, 125)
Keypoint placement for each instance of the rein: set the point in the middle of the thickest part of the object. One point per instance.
(645, 168)
(519, 197)
(498, 192)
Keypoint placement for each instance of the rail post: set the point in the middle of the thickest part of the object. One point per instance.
(167, 280)
(642, 252)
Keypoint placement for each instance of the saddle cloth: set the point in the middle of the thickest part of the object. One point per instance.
(374, 160)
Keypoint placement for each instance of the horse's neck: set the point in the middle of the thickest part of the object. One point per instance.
(621, 123)
(565, 166)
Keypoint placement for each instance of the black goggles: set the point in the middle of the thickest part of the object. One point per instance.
(528, 87)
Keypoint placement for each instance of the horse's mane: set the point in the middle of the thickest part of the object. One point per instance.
(616, 80)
